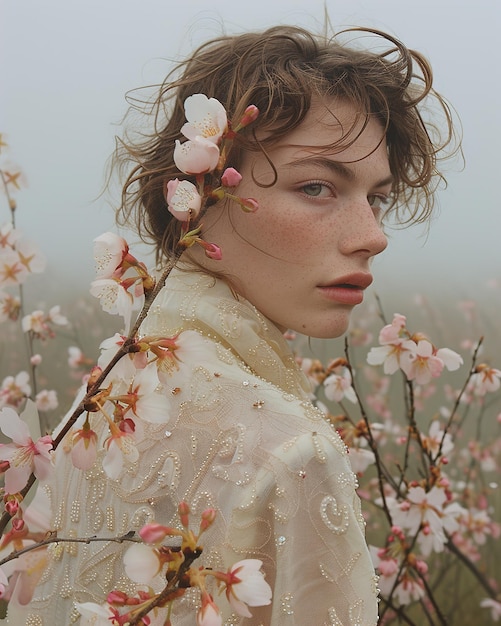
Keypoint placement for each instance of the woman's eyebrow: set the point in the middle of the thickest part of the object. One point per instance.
(337, 167)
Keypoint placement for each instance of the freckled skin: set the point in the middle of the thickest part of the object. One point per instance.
(313, 227)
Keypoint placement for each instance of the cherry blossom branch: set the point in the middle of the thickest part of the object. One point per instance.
(399, 611)
(94, 388)
(10, 199)
(170, 591)
(53, 538)
(461, 393)
(402, 566)
(471, 567)
(28, 339)
(432, 599)
(380, 467)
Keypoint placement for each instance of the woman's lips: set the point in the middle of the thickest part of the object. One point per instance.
(344, 294)
(347, 289)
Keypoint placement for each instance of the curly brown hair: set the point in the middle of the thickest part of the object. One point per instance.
(281, 70)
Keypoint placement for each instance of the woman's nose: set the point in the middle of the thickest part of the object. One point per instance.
(364, 234)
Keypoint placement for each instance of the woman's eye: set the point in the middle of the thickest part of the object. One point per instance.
(316, 190)
(377, 201)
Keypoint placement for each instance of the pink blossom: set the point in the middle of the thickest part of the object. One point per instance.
(436, 438)
(494, 606)
(46, 400)
(35, 322)
(479, 524)
(144, 398)
(24, 455)
(25, 573)
(430, 513)
(485, 380)
(75, 357)
(126, 367)
(14, 390)
(409, 589)
(360, 459)
(141, 563)
(230, 177)
(12, 270)
(8, 235)
(208, 614)
(109, 252)
(115, 299)
(452, 360)
(10, 307)
(84, 447)
(338, 386)
(395, 331)
(40, 324)
(30, 256)
(183, 199)
(94, 614)
(387, 567)
(421, 364)
(13, 175)
(197, 156)
(390, 355)
(190, 347)
(206, 118)
(121, 448)
(313, 369)
(246, 586)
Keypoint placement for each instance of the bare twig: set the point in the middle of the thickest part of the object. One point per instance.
(53, 538)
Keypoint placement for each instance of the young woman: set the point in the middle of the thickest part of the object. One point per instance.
(338, 146)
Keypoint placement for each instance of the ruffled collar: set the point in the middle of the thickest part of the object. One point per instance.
(194, 300)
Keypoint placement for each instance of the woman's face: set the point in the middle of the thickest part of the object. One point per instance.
(303, 258)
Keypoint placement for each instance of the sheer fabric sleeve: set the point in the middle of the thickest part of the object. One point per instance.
(323, 571)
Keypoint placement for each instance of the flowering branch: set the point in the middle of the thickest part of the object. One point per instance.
(53, 538)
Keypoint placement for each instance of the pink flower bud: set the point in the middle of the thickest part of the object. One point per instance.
(230, 177)
(12, 507)
(117, 597)
(421, 567)
(250, 115)
(388, 567)
(208, 517)
(184, 512)
(18, 524)
(154, 533)
(249, 205)
(213, 252)
(36, 359)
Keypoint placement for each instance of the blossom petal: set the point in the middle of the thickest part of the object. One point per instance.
(141, 563)
(13, 426)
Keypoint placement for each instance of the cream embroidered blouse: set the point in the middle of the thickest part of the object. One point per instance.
(239, 435)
